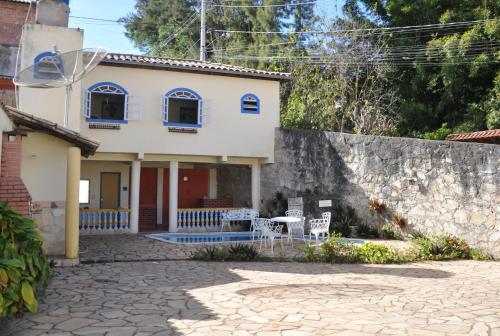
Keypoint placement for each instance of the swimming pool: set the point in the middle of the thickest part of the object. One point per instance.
(217, 237)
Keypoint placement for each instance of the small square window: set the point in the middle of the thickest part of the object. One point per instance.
(84, 191)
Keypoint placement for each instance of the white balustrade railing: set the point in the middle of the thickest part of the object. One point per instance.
(200, 219)
(95, 221)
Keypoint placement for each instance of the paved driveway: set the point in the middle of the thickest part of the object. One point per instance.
(196, 298)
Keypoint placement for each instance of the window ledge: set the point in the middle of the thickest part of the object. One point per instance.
(172, 124)
(250, 112)
(106, 121)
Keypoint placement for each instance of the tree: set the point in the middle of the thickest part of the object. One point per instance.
(350, 88)
(448, 77)
(170, 28)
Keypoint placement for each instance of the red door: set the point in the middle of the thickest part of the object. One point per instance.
(147, 199)
(193, 186)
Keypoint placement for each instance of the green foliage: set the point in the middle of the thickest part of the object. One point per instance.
(453, 81)
(372, 253)
(388, 231)
(24, 269)
(343, 217)
(310, 254)
(238, 252)
(439, 134)
(446, 247)
(170, 28)
(336, 250)
(441, 248)
(366, 231)
(480, 255)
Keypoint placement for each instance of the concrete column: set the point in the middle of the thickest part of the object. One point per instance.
(256, 186)
(135, 187)
(212, 183)
(173, 195)
(72, 233)
(159, 197)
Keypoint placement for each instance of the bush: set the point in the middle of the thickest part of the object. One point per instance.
(343, 217)
(390, 232)
(24, 269)
(310, 254)
(238, 252)
(367, 231)
(478, 254)
(378, 254)
(337, 250)
(441, 248)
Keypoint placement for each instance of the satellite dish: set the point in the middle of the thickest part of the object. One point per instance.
(55, 69)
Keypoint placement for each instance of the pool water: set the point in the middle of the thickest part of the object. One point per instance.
(217, 237)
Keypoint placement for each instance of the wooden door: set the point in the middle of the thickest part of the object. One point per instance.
(110, 191)
(147, 199)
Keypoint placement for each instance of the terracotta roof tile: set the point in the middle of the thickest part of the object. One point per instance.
(481, 136)
(88, 146)
(191, 65)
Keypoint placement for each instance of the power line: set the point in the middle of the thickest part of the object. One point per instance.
(380, 29)
(265, 6)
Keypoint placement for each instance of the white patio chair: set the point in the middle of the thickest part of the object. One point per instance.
(257, 226)
(296, 227)
(294, 213)
(319, 227)
(327, 216)
(272, 233)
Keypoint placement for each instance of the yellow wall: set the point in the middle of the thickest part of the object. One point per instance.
(49, 103)
(92, 170)
(226, 132)
(43, 167)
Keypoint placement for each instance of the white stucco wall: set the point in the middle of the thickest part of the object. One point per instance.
(92, 170)
(43, 167)
(43, 170)
(49, 103)
(226, 132)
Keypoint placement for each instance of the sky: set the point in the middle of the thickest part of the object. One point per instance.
(111, 35)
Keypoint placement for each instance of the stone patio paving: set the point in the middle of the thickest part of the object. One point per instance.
(181, 297)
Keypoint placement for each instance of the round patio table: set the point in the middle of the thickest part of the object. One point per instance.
(291, 223)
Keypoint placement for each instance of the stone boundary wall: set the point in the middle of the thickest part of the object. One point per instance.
(437, 186)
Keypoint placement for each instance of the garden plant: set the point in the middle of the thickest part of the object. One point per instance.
(24, 269)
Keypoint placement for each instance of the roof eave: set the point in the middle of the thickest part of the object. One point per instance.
(19, 118)
(219, 72)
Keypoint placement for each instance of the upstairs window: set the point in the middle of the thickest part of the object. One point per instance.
(182, 107)
(250, 103)
(109, 102)
(48, 65)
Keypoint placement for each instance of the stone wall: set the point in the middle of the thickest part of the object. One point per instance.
(439, 187)
(234, 182)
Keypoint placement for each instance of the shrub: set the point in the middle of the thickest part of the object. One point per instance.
(343, 217)
(336, 250)
(399, 221)
(378, 254)
(440, 248)
(310, 254)
(24, 269)
(478, 254)
(389, 232)
(377, 206)
(238, 252)
(367, 231)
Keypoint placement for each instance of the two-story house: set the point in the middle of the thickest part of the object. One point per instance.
(166, 129)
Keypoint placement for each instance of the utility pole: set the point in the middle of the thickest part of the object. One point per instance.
(203, 52)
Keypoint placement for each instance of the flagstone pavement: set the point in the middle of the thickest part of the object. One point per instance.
(182, 297)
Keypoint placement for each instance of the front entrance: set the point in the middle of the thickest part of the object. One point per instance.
(110, 190)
